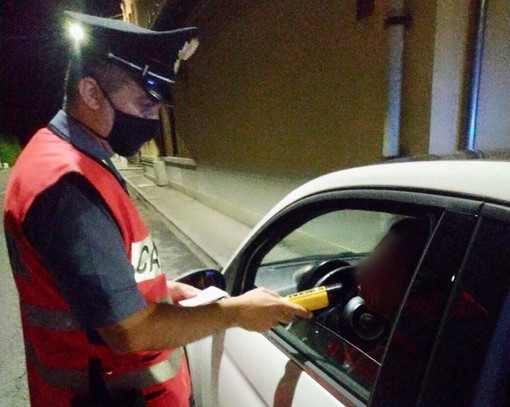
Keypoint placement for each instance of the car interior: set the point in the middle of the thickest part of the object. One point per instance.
(347, 337)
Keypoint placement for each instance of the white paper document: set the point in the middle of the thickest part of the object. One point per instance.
(207, 296)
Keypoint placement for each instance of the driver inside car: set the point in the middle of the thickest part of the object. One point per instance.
(383, 276)
(376, 288)
(382, 279)
(381, 282)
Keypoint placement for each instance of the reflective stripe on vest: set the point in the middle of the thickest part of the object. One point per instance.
(19, 269)
(149, 376)
(39, 317)
(75, 379)
(78, 379)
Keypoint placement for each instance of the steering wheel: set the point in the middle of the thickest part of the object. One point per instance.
(310, 278)
(350, 316)
(343, 275)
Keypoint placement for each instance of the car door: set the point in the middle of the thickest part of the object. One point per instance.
(334, 359)
(470, 364)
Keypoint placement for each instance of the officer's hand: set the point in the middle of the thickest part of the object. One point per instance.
(261, 309)
(180, 291)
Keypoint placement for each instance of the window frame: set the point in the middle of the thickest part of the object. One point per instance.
(242, 270)
(444, 257)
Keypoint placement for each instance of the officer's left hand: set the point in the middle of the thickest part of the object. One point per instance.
(180, 291)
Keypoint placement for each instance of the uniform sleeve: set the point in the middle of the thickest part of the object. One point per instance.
(80, 243)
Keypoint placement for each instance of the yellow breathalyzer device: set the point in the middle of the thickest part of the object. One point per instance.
(317, 297)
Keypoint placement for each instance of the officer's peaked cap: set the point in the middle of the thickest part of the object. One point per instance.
(152, 56)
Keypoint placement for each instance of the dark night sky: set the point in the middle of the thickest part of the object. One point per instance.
(33, 59)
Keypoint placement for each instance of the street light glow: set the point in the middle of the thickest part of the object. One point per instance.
(76, 32)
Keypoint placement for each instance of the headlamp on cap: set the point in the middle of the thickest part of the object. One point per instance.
(76, 32)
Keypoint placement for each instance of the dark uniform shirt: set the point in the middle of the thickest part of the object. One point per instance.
(79, 241)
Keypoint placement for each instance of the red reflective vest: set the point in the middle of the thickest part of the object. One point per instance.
(57, 349)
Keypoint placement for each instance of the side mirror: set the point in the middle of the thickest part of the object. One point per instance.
(203, 278)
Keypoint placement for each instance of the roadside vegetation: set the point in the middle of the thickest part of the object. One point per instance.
(9, 149)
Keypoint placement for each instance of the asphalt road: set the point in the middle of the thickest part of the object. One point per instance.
(176, 258)
(13, 383)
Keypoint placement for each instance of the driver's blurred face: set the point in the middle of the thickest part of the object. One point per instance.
(383, 277)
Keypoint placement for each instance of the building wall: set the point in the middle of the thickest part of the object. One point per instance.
(283, 87)
(418, 67)
(449, 60)
(143, 13)
(493, 127)
(279, 92)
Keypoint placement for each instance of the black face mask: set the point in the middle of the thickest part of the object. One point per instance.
(130, 132)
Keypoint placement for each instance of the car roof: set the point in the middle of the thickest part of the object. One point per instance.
(475, 178)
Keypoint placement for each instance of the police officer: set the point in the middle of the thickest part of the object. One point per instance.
(96, 321)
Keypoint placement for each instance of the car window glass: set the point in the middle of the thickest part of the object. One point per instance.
(360, 232)
(366, 259)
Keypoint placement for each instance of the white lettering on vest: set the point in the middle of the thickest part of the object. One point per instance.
(145, 259)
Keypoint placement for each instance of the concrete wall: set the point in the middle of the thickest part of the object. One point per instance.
(242, 195)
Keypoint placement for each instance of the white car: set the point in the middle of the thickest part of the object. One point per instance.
(419, 255)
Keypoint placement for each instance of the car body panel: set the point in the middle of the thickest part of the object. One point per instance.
(278, 380)
(238, 376)
(244, 368)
